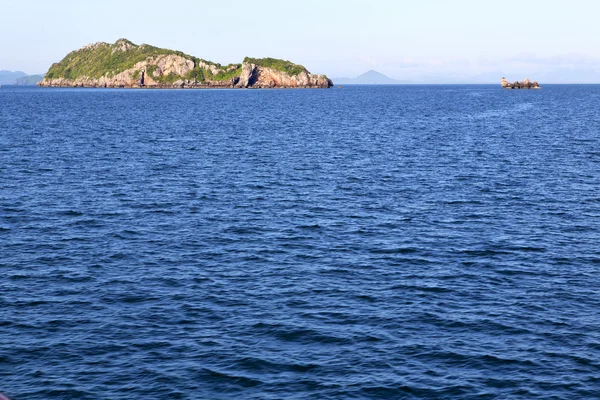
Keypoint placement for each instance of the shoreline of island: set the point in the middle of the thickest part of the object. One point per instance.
(183, 87)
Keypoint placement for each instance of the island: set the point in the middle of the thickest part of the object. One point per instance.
(29, 80)
(127, 65)
(526, 84)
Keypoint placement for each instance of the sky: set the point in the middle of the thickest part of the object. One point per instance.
(554, 41)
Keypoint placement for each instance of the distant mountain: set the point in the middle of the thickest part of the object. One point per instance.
(368, 78)
(28, 80)
(9, 77)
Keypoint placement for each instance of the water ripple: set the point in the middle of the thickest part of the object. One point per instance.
(372, 242)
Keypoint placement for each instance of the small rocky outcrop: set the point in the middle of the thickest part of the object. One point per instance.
(526, 84)
(127, 65)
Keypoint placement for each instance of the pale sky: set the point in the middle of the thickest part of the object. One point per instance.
(417, 40)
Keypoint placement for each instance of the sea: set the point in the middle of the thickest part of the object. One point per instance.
(364, 242)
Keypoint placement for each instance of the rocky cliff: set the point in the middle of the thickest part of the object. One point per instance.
(526, 84)
(126, 65)
(259, 76)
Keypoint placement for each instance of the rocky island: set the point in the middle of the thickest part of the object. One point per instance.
(127, 65)
(526, 84)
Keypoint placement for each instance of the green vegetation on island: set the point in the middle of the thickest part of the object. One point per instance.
(279, 65)
(105, 60)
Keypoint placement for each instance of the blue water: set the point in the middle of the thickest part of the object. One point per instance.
(369, 242)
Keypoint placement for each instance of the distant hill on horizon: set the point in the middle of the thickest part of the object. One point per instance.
(28, 80)
(9, 77)
(368, 78)
(19, 78)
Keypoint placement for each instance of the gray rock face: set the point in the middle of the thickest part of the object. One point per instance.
(248, 73)
(122, 45)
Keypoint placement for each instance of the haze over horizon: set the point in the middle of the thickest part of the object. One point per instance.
(432, 41)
